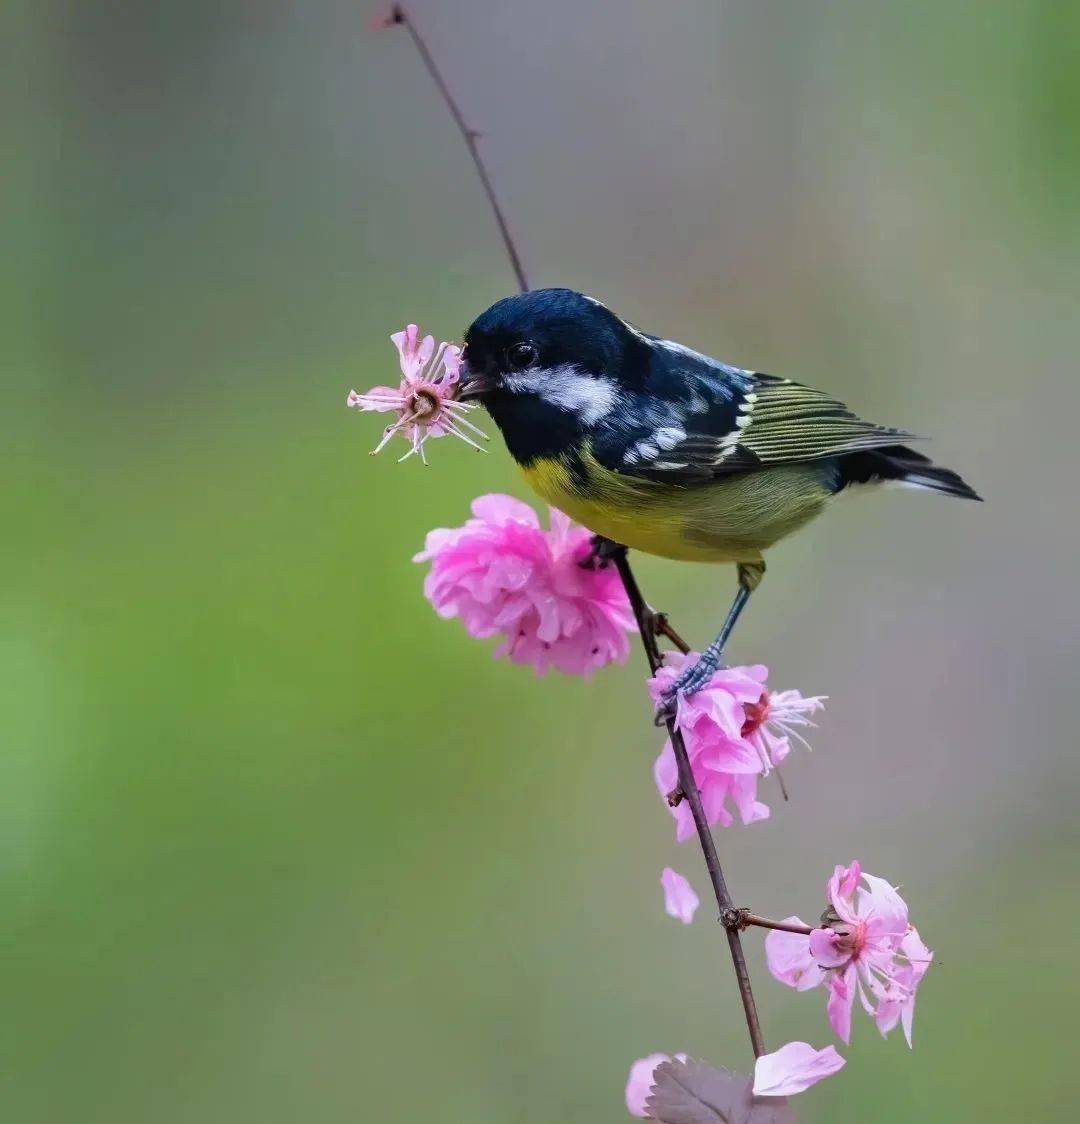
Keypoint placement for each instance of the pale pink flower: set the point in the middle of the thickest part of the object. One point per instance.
(735, 731)
(425, 401)
(793, 1068)
(640, 1082)
(680, 901)
(866, 946)
(503, 575)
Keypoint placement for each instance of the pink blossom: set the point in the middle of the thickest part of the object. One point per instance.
(793, 1068)
(640, 1082)
(426, 399)
(735, 731)
(865, 946)
(503, 575)
(680, 901)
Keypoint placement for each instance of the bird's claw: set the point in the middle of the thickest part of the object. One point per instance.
(691, 679)
(601, 552)
(665, 709)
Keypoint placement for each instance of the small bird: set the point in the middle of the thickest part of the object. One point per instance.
(659, 448)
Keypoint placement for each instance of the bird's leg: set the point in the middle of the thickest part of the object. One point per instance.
(694, 677)
(601, 552)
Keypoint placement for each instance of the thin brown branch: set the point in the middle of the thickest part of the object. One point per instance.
(742, 919)
(469, 135)
(688, 787)
(661, 626)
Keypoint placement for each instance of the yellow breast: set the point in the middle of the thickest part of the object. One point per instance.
(730, 520)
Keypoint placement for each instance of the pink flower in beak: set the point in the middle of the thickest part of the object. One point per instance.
(425, 401)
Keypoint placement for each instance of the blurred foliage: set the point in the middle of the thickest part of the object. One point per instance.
(276, 840)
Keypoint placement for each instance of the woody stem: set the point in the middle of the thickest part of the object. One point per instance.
(688, 786)
(742, 919)
(469, 136)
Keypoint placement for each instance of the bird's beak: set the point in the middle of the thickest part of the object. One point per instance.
(473, 384)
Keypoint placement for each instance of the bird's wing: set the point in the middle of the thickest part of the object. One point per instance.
(717, 420)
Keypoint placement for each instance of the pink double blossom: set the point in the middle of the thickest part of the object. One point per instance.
(425, 400)
(866, 946)
(503, 575)
(735, 731)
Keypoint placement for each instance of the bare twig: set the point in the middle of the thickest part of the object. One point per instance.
(469, 136)
(742, 919)
(650, 624)
(661, 626)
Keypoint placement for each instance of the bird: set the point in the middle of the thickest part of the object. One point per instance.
(659, 448)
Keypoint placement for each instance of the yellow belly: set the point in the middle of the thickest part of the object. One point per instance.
(732, 519)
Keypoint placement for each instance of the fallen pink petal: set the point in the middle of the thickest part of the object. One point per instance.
(503, 575)
(680, 901)
(425, 400)
(640, 1082)
(793, 1069)
(865, 949)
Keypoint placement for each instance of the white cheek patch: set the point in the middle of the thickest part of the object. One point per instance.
(567, 388)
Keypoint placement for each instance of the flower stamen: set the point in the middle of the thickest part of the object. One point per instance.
(426, 398)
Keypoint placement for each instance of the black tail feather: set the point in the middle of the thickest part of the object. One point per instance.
(902, 465)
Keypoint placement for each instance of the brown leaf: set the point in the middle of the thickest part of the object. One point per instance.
(691, 1093)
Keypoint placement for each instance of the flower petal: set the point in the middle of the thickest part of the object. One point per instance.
(885, 912)
(825, 948)
(841, 890)
(841, 1000)
(793, 1068)
(789, 959)
(680, 901)
(496, 508)
(640, 1082)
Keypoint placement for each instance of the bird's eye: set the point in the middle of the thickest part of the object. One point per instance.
(520, 356)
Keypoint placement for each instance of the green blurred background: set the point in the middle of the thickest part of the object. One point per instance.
(277, 843)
